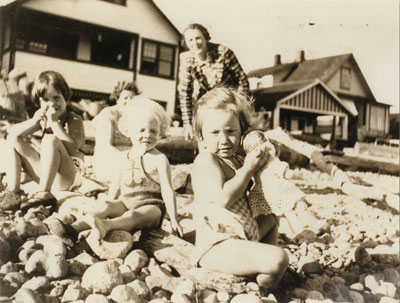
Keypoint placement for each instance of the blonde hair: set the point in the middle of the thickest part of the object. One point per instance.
(143, 106)
(223, 98)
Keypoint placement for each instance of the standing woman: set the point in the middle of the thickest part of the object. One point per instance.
(209, 65)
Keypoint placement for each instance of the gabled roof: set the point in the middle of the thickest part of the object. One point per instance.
(279, 91)
(310, 70)
(321, 68)
(166, 18)
(287, 90)
(261, 72)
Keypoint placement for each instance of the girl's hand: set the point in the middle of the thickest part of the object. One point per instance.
(51, 114)
(40, 114)
(176, 228)
(255, 159)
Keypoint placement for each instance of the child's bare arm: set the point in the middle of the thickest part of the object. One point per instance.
(73, 138)
(30, 126)
(210, 182)
(167, 192)
(105, 130)
(115, 189)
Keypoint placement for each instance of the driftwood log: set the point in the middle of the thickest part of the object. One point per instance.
(177, 253)
(328, 163)
(364, 164)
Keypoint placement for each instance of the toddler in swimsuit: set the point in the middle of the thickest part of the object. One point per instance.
(142, 191)
(228, 238)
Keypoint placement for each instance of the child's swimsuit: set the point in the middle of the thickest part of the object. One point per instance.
(138, 188)
(272, 193)
(215, 223)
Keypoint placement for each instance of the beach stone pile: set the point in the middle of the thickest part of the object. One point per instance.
(354, 259)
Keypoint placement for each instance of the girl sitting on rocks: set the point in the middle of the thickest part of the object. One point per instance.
(62, 138)
(142, 192)
(228, 238)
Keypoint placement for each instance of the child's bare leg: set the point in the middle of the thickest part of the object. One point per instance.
(245, 258)
(268, 229)
(147, 216)
(307, 217)
(100, 210)
(294, 223)
(57, 168)
(21, 154)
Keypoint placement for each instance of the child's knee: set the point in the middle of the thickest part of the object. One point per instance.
(49, 141)
(282, 262)
(13, 142)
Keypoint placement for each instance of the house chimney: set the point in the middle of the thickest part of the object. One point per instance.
(277, 59)
(300, 56)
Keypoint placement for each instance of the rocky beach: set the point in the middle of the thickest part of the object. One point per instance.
(355, 258)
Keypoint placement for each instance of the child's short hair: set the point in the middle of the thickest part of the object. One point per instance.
(129, 86)
(47, 79)
(223, 98)
(142, 106)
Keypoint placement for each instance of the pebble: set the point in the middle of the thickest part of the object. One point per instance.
(136, 260)
(373, 281)
(392, 276)
(74, 293)
(386, 289)
(124, 294)
(357, 286)
(39, 284)
(351, 262)
(208, 296)
(96, 298)
(223, 296)
(248, 298)
(140, 288)
(356, 297)
(102, 277)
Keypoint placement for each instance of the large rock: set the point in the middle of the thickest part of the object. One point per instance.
(43, 263)
(116, 244)
(124, 294)
(136, 260)
(102, 277)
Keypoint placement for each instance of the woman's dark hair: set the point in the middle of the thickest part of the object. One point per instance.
(199, 27)
(47, 79)
(129, 86)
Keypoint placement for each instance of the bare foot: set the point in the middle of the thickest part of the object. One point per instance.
(99, 227)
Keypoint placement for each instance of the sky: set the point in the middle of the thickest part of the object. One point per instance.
(256, 30)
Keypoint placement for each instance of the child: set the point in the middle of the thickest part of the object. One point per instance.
(108, 135)
(272, 193)
(227, 236)
(144, 181)
(62, 140)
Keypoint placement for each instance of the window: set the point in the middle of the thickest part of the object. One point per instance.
(110, 47)
(73, 40)
(345, 78)
(378, 116)
(157, 59)
(47, 35)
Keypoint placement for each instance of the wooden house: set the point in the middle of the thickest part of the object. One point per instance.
(94, 44)
(300, 94)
